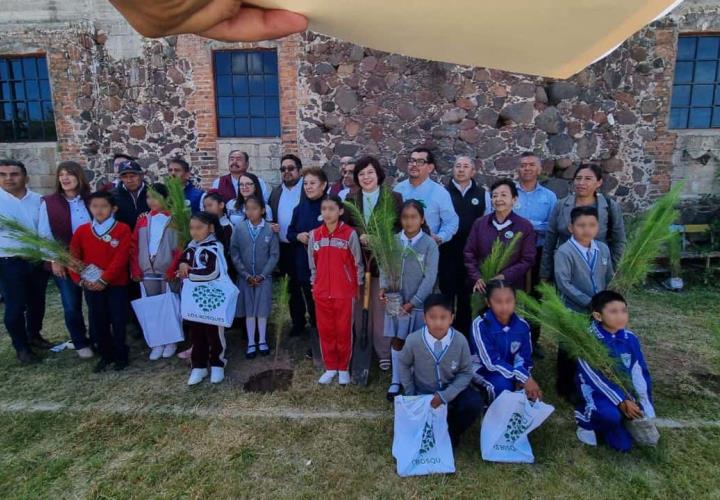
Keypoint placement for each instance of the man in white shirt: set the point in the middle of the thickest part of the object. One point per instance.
(283, 201)
(238, 164)
(23, 283)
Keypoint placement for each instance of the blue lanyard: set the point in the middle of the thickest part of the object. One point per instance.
(439, 358)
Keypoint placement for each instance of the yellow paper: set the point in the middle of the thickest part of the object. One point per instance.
(554, 38)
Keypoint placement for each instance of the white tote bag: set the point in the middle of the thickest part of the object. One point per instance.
(506, 425)
(211, 302)
(421, 442)
(159, 317)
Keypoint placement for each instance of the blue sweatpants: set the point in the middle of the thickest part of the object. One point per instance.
(495, 384)
(606, 419)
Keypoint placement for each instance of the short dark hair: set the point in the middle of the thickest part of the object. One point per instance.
(505, 182)
(161, 189)
(256, 199)
(315, 172)
(180, 161)
(122, 155)
(335, 199)
(7, 162)
(601, 299)
(247, 157)
(208, 219)
(594, 167)
(104, 195)
(528, 154)
(437, 300)
(369, 161)
(417, 205)
(493, 285)
(214, 194)
(585, 211)
(430, 154)
(295, 159)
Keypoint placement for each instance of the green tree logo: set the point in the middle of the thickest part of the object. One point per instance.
(428, 439)
(208, 298)
(516, 426)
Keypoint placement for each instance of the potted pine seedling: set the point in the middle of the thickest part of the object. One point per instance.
(674, 250)
(498, 259)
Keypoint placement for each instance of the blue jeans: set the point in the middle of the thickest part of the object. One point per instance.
(108, 315)
(71, 296)
(23, 287)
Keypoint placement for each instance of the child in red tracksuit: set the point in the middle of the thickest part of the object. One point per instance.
(105, 243)
(336, 271)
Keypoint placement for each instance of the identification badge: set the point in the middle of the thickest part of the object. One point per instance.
(106, 238)
(320, 218)
(474, 201)
(509, 235)
(114, 243)
(316, 246)
(187, 203)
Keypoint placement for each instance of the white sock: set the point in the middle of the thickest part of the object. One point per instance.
(250, 326)
(262, 330)
(395, 365)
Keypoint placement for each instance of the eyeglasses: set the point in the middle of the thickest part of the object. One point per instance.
(417, 161)
(246, 184)
(287, 169)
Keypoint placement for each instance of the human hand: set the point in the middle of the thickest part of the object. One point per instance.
(436, 401)
(407, 308)
(137, 279)
(630, 409)
(58, 270)
(479, 286)
(303, 238)
(437, 239)
(382, 296)
(225, 20)
(275, 227)
(364, 240)
(499, 277)
(532, 389)
(183, 270)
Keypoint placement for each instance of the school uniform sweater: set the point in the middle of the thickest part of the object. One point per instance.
(306, 217)
(421, 372)
(418, 272)
(623, 346)
(253, 257)
(579, 278)
(109, 251)
(335, 261)
(205, 267)
(502, 349)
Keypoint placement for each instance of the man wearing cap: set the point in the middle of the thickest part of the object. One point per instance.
(227, 185)
(180, 169)
(347, 182)
(130, 193)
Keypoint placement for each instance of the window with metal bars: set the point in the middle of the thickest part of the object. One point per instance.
(26, 110)
(695, 102)
(247, 93)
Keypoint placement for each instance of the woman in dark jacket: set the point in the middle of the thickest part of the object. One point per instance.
(369, 176)
(587, 183)
(501, 224)
(61, 213)
(306, 217)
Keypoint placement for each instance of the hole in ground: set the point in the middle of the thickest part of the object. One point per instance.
(270, 381)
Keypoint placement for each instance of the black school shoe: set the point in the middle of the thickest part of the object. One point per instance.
(27, 357)
(39, 342)
(101, 366)
(121, 365)
(391, 394)
(264, 349)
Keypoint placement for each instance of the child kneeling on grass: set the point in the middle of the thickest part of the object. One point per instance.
(105, 243)
(436, 360)
(605, 405)
(336, 272)
(501, 345)
(201, 261)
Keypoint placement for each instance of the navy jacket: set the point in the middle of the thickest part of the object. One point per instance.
(193, 196)
(306, 217)
(128, 207)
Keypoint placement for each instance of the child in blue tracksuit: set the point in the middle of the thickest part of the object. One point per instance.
(501, 345)
(605, 405)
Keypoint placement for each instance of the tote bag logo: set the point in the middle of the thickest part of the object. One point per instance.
(208, 298)
(516, 427)
(428, 439)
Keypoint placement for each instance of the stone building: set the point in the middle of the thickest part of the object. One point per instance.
(76, 82)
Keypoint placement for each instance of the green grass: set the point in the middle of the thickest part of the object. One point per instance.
(109, 443)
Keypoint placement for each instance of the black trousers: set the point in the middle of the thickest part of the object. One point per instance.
(534, 282)
(108, 315)
(301, 301)
(23, 286)
(453, 282)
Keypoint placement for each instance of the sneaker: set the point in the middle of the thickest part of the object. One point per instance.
(101, 366)
(251, 352)
(217, 374)
(586, 436)
(264, 349)
(85, 353)
(197, 375)
(156, 353)
(343, 377)
(327, 377)
(394, 390)
(169, 350)
(185, 354)
(27, 357)
(384, 364)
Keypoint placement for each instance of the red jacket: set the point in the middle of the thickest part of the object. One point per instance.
(336, 263)
(111, 256)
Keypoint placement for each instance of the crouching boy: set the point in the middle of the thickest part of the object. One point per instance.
(436, 360)
(605, 405)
